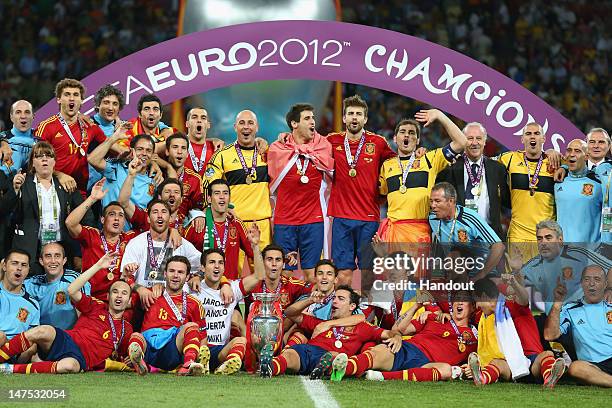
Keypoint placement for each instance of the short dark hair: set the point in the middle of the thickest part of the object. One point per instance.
(140, 137)
(17, 251)
(178, 258)
(214, 183)
(326, 262)
(209, 251)
(412, 122)
(174, 136)
(272, 247)
(448, 188)
(354, 296)
(109, 90)
(354, 101)
(295, 112)
(111, 204)
(485, 288)
(41, 147)
(157, 201)
(167, 181)
(148, 98)
(69, 83)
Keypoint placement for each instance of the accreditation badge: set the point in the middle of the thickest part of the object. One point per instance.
(471, 204)
(606, 219)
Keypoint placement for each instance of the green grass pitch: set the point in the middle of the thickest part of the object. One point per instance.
(242, 390)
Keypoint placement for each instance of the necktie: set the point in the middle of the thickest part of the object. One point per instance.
(468, 189)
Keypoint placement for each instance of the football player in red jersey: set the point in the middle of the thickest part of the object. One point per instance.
(174, 327)
(99, 333)
(95, 243)
(200, 149)
(345, 333)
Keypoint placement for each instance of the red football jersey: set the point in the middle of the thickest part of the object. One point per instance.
(161, 316)
(298, 203)
(138, 129)
(140, 221)
(197, 150)
(236, 240)
(438, 341)
(92, 250)
(356, 198)
(68, 158)
(290, 290)
(352, 338)
(192, 191)
(93, 334)
(526, 328)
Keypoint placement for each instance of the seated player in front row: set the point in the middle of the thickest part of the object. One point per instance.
(99, 333)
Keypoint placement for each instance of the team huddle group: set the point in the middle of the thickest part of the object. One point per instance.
(128, 245)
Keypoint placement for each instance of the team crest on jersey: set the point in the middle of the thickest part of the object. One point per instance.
(609, 317)
(587, 189)
(232, 232)
(22, 315)
(466, 336)
(462, 235)
(416, 164)
(370, 148)
(60, 298)
(186, 189)
(284, 299)
(209, 172)
(151, 189)
(446, 334)
(568, 273)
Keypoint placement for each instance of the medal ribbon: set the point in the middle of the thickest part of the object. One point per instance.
(406, 169)
(197, 164)
(474, 178)
(69, 132)
(221, 244)
(265, 288)
(253, 168)
(456, 329)
(325, 301)
(116, 341)
(302, 168)
(338, 334)
(156, 262)
(450, 235)
(54, 200)
(106, 250)
(533, 181)
(180, 316)
(347, 150)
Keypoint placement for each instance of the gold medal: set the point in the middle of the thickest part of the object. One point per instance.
(82, 151)
(152, 275)
(304, 179)
(353, 173)
(110, 276)
(403, 189)
(338, 344)
(248, 180)
(461, 347)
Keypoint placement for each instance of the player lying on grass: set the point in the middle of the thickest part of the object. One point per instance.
(345, 333)
(432, 354)
(174, 327)
(100, 332)
(509, 325)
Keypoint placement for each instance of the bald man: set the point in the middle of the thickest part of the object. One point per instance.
(579, 198)
(16, 143)
(243, 166)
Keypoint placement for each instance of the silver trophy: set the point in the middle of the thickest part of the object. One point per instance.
(266, 325)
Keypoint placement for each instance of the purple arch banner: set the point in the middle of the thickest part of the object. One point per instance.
(334, 51)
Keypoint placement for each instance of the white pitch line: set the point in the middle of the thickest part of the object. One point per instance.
(318, 393)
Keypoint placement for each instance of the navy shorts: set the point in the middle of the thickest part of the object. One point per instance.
(168, 357)
(214, 356)
(63, 347)
(409, 356)
(605, 366)
(307, 239)
(352, 239)
(309, 357)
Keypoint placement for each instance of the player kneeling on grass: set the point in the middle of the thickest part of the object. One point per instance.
(344, 335)
(432, 354)
(174, 328)
(100, 331)
(226, 354)
(509, 325)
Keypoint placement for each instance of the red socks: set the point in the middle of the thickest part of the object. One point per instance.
(49, 367)
(138, 339)
(414, 374)
(191, 344)
(546, 367)
(279, 365)
(237, 350)
(296, 338)
(490, 374)
(359, 364)
(15, 346)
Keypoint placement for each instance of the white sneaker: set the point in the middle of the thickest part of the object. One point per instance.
(6, 368)
(374, 375)
(456, 372)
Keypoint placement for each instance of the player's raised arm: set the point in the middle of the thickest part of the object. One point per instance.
(404, 322)
(73, 221)
(97, 158)
(125, 193)
(74, 289)
(294, 311)
(251, 281)
(458, 139)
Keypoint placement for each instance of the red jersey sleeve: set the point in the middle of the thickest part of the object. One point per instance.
(386, 152)
(418, 326)
(309, 322)
(40, 132)
(371, 332)
(140, 219)
(197, 313)
(245, 244)
(192, 236)
(96, 134)
(87, 304)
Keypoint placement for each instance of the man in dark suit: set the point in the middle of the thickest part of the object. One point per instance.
(480, 182)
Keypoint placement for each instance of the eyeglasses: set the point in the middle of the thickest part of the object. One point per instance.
(44, 156)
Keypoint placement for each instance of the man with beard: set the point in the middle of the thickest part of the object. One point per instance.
(358, 155)
(242, 165)
(70, 136)
(95, 242)
(589, 320)
(174, 327)
(145, 255)
(99, 333)
(433, 353)
(149, 123)
(344, 334)
(51, 289)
